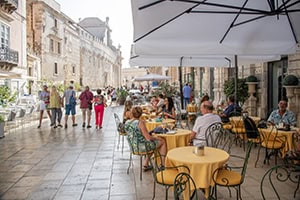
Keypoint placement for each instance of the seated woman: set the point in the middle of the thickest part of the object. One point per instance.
(127, 110)
(139, 136)
(168, 109)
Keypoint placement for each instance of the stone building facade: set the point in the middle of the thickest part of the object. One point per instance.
(70, 51)
(13, 45)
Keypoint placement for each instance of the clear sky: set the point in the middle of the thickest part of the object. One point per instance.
(120, 19)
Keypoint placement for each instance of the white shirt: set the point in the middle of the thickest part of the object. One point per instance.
(201, 125)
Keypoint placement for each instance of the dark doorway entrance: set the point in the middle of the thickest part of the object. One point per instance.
(276, 91)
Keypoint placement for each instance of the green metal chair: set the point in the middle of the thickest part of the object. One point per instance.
(162, 175)
(184, 183)
(273, 143)
(120, 132)
(278, 178)
(231, 177)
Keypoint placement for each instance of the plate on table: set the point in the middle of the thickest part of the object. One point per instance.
(171, 132)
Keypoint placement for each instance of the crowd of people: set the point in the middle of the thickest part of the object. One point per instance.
(52, 103)
(162, 104)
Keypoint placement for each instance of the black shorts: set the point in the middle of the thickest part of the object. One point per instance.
(113, 99)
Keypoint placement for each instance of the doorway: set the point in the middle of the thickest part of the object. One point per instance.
(276, 91)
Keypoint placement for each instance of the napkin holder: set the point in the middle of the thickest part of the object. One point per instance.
(199, 150)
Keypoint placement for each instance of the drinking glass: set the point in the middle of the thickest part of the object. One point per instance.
(183, 124)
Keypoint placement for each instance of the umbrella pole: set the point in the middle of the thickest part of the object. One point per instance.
(235, 81)
(180, 82)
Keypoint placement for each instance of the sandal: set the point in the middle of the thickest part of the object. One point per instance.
(147, 168)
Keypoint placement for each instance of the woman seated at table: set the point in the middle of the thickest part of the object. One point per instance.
(127, 110)
(139, 137)
(168, 109)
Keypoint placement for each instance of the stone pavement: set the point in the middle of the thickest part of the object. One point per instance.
(87, 164)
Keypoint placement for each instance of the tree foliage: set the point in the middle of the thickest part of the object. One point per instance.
(242, 92)
(6, 96)
(166, 89)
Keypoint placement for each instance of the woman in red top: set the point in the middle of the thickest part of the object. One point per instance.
(99, 104)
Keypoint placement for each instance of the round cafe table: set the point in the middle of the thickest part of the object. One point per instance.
(289, 143)
(150, 125)
(180, 139)
(201, 167)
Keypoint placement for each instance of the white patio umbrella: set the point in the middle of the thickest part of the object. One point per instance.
(152, 77)
(192, 28)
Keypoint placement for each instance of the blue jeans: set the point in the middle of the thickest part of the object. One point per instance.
(186, 101)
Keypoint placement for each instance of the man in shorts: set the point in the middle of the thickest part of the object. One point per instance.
(70, 107)
(86, 98)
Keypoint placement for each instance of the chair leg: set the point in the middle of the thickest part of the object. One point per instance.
(154, 188)
(239, 193)
(130, 160)
(257, 158)
(167, 190)
(118, 141)
(141, 167)
(122, 143)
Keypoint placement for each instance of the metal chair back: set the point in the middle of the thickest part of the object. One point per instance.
(278, 178)
(184, 183)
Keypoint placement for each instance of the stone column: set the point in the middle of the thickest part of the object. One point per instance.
(252, 99)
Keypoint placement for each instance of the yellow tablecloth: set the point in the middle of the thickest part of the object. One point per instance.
(191, 108)
(150, 125)
(180, 139)
(289, 145)
(238, 125)
(201, 167)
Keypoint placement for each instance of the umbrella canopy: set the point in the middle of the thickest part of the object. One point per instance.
(192, 28)
(152, 77)
(199, 61)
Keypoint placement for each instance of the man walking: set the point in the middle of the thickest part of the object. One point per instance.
(70, 105)
(186, 90)
(86, 98)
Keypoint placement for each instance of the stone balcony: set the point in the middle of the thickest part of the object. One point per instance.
(8, 58)
(9, 6)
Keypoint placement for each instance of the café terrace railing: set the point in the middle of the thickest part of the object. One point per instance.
(9, 55)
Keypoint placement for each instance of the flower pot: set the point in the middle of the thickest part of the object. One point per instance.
(251, 87)
(2, 129)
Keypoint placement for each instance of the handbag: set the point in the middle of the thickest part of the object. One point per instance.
(72, 99)
(121, 128)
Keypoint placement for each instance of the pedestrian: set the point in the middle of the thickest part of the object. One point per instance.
(86, 105)
(186, 90)
(70, 105)
(99, 105)
(55, 106)
(113, 96)
(44, 97)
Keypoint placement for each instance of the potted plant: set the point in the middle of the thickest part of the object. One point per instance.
(229, 89)
(121, 96)
(251, 81)
(2, 123)
(290, 80)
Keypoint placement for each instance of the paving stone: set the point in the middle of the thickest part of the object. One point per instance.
(73, 163)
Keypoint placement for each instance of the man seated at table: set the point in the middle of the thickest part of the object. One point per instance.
(202, 123)
(231, 107)
(282, 115)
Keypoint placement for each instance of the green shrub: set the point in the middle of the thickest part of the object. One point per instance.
(290, 80)
(242, 92)
(251, 78)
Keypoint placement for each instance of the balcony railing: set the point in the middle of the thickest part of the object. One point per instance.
(9, 5)
(9, 55)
